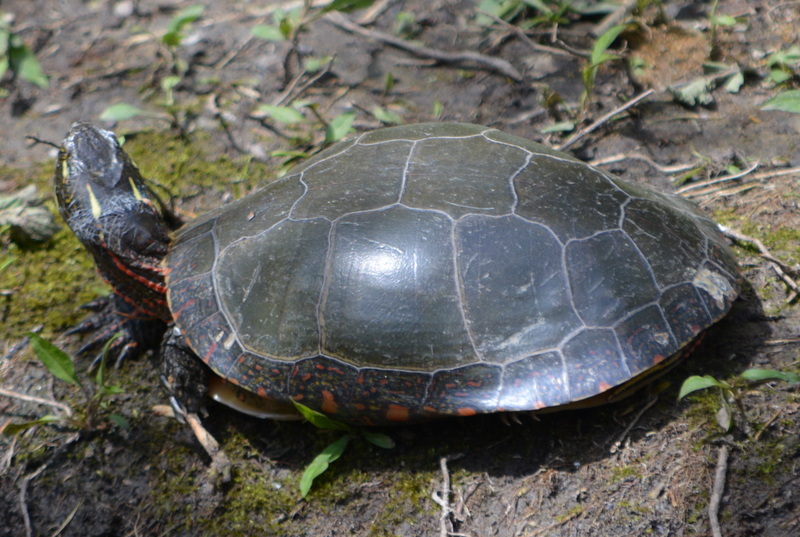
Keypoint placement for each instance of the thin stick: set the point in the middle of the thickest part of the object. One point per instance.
(284, 97)
(726, 178)
(33, 399)
(536, 47)
(594, 126)
(220, 464)
(716, 493)
(633, 422)
(67, 520)
(675, 168)
(497, 65)
(444, 499)
(765, 253)
(23, 500)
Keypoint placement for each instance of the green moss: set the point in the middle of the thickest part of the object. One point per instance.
(786, 241)
(256, 503)
(575, 511)
(45, 286)
(623, 472)
(191, 166)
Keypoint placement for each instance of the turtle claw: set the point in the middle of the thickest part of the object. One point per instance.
(177, 408)
(111, 316)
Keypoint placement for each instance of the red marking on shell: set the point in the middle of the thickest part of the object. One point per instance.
(258, 367)
(360, 406)
(538, 404)
(475, 383)
(360, 378)
(320, 367)
(336, 370)
(604, 386)
(329, 405)
(306, 377)
(261, 392)
(397, 413)
(210, 352)
(466, 411)
(658, 358)
(188, 304)
(241, 359)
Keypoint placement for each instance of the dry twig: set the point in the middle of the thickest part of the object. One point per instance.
(38, 400)
(594, 126)
(695, 186)
(536, 47)
(371, 14)
(780, 269)
(618, 157)
(716, 493)
(23, 500)
(634, 421)
(220, 464)
(497, 65)
(443, 500)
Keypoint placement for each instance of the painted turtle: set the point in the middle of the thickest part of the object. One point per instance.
(409, 273)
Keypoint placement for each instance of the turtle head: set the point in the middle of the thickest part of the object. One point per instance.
(121, 222)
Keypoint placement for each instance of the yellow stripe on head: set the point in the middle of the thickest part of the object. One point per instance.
(136, 193)
(96, 209)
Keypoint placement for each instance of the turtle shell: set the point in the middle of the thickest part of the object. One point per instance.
(446, 269)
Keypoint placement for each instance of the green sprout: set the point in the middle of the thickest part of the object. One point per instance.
(335, 449)
(733, 392)
(18, 58)
(599, 56)
(61, 366)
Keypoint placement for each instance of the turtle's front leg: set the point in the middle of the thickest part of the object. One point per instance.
(186, 381)
(183, 375)
(112, 315)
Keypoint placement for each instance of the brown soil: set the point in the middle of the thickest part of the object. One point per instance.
(625, 469)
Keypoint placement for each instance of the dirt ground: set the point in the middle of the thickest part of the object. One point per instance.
(645, 466)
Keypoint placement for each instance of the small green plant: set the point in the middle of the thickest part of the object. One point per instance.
(733, 392)
(171, 40)
(61, 366)
(599, 56)
(17, 57)
(174, 35)
(716, 20)
(335, 449)
(788, 101)
(783, 64)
